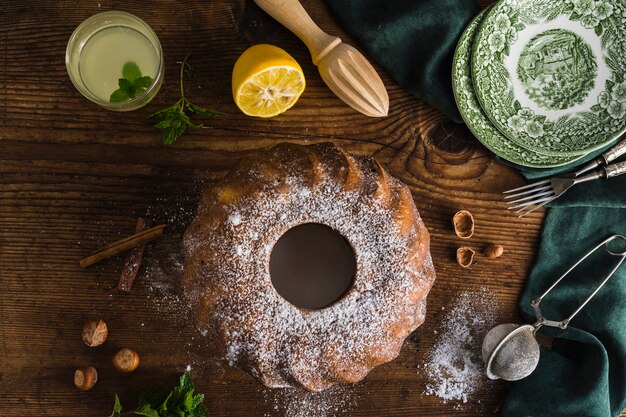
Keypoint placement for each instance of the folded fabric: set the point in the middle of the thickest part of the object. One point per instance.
(585, 372)
(413, 40)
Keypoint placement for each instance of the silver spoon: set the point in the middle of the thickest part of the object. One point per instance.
(511, 351)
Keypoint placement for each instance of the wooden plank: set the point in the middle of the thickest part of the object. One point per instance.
(74, 177)
(46, 296)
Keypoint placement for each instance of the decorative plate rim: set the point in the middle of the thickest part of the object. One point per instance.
(567, 135)
(476, 120)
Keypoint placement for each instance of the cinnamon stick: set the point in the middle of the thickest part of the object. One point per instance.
(132, 263)
(123, 245)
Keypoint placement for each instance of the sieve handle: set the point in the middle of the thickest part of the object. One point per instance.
(541, 320)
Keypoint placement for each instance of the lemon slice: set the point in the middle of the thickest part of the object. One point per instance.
(266, 81)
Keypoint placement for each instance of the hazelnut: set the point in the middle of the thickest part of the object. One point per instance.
(465, 256)
(95, 332)
(126, 360)
(85, 378)
(463, 223)
(493, 251)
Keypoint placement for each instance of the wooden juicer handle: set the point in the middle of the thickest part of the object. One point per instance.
(292, 15)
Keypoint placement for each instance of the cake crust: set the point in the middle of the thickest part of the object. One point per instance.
(227, 278)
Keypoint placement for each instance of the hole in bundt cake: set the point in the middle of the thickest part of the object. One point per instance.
(312, 266)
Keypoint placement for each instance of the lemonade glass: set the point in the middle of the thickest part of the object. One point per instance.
(100, 47)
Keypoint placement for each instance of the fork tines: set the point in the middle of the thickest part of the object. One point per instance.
(530, 197)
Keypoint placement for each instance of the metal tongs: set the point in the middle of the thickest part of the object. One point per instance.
(511, 351)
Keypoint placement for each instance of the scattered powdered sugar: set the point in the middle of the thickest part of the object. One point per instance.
(454, 365)
(234, 219)
(175, 204)
(294, 402)
(227, 270)
(162, 276)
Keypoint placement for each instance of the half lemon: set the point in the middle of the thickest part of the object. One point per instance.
(266, 81)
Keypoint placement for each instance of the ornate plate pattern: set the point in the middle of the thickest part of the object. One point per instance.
(550, 73)
(475, 118)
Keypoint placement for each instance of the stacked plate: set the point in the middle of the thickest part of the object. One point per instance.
(541, 82)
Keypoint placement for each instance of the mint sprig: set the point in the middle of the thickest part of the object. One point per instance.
(179, 402)
(132, 83)
(173, 121)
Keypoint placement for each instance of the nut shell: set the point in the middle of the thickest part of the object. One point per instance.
(85, 378)
(126, 360)
(493, 251)
(463, 223)
(95, 332)
(465, 256)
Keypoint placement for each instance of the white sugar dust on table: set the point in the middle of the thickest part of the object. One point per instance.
(454, 368)
(337, 400)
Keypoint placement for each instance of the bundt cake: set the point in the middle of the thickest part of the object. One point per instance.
(227, 278)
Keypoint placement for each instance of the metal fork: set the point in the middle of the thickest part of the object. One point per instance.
(603, 160)
(532, 196)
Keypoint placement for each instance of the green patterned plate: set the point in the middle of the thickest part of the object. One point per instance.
(476, 120)
(549, 74)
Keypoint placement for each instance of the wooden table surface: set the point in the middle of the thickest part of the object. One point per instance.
(74, 176)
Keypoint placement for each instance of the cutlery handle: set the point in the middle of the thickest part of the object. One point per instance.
(292, 15)
(615, 152)
(615, 170)
(604, 159)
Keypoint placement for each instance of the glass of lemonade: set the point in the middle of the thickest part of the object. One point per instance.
(115, 60)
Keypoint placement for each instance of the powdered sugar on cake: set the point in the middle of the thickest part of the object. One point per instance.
(278, 342)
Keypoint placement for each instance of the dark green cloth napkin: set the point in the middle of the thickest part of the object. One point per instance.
(414, 40)
(585, 372)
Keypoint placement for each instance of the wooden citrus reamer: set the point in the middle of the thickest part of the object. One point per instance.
(344, 69)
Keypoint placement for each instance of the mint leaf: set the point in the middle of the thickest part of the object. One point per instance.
(176, 129)
(201, 111)
(165, 114)
(141, 83)
(146, 410)
(152, 397)
(118, 96)
(131, 85)
(200, 411)
(179, 402)
(131, 71)
(117, 407)
(173, 121)
(185, 383)
(126, 85)
(197, 400)
(125, 92)
(188, 401)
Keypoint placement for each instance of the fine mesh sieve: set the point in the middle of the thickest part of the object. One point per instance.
(511, 351)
